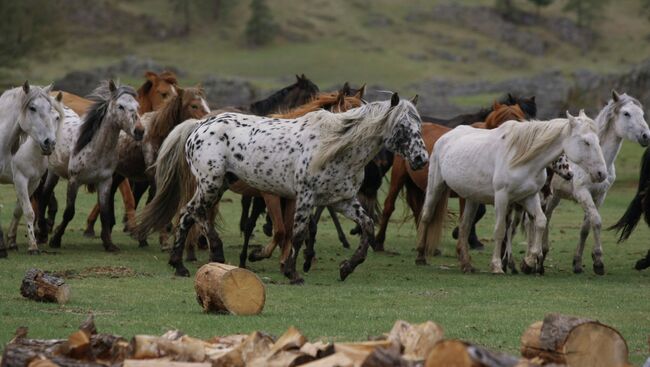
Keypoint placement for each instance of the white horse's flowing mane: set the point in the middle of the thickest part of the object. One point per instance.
(607, 116)
(526, 140)
(341, 131)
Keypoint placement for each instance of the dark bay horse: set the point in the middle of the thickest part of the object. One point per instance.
(416, 181)
(640, 205)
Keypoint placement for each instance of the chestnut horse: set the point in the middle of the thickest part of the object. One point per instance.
(416, 181)
(152, 94)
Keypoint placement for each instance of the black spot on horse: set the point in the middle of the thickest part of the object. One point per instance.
(239, 157)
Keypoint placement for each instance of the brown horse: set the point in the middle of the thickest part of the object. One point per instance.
(136, 158)
(416, 181)
(151, 95)
(281, 210)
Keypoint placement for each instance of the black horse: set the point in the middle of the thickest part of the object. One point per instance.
(640, 205)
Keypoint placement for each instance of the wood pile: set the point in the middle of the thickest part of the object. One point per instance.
(557, 341)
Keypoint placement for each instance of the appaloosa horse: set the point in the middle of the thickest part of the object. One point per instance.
(317, 159)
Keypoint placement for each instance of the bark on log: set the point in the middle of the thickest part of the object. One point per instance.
(574, 342)
(224, 288)
(43, 287)
(417, 340)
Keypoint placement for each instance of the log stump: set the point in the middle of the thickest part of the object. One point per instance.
(42, 287)
(222, 288)
(575, 342)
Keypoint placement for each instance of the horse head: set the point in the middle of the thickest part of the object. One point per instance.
(405, 138)
(39, 116)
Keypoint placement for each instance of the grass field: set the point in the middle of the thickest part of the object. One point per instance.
(490, 310)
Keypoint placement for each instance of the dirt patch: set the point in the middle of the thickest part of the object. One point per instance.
(99, 272)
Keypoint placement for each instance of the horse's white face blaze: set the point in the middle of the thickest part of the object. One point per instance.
(583, 147)
(125, 108)
(630, 124)
(39, 121)
(406, 136)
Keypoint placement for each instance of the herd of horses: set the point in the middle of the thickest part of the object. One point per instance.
(301, 151)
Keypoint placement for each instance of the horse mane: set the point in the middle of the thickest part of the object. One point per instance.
(503, 113)
(274, 101)
(606, 117)
(527, 104)
(34, 93)
(172, 112)
(527, 140)
(341, 131)
(321, 101)
(101, 98)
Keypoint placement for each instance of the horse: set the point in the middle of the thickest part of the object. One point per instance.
(416, 181)
(87, 153)
(622, 118)
(28, 119)
(527, 105)
(316, 159)
(503, 166)
(136, 158)
(151, 96)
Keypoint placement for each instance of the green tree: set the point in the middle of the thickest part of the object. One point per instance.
(28, 28)
(539, 4)
(261, 28)
(586, 11)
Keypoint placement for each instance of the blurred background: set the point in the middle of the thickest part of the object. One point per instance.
(458, 55)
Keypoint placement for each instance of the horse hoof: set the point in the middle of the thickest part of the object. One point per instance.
(513, 268)
(525, 268)
(346, 244)
(454, 233)
(202, 243)
(378, 247)
(268, 230)
(467, 268)
(476, 245)
(345, 269)
(642, 264)
(12, 247)
(143, 243)
(111, 248)
(437, 252)
(34, 252)
(256, 255)
(577, 269)
(306, 266)
(297, 281)
(599, 269)
(89, 233)
(421, 261)
(182, 272)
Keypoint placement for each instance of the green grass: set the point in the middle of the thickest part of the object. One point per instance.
(489, 310)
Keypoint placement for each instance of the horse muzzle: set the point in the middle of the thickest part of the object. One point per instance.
(47, 146)
(644, 140)
(138, 134)
(419, 162)
(567, 176)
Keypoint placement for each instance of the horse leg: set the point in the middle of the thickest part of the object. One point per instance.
(289, 211)
(267, 228)
(643, 263)
(12, 231)
(129, 202)
(246, 202)
(258, 208)
(339, 229)
(274, 208)
(107, 217)
(506, 248)
(90, 222)
(52, 208)
(552, 201)
(534, 260)
(310, 253)
(501, 211)
(596, 224)
(583, 197)
(3, 248)
(68, 213)
(397, 180)
(302, 213)
(46, 194)
(512, 232)
(474, 242)
(353, 210)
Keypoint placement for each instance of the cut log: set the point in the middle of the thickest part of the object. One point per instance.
(184, 349)
(162, 362)
(43, 287)
(574, 342)
(291, 339)
(256, 345)
(450, 353)
(336, 359)
(417, 340)
(224, 288)
(318, 350)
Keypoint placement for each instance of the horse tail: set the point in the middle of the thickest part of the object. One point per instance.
(434, 211)
(639, 205)
(172, 174)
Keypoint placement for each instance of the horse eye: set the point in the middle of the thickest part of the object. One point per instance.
(121, 107)
(194, 107)
(587, 143)
(627, 114)
(164, 95)
(32, 108)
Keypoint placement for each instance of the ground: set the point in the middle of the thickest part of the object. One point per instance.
(140, 294)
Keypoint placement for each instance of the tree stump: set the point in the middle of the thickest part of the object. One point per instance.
(43, 287)
(225, 288)
(574, 342)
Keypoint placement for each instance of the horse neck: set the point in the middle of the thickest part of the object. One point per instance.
(145, 103)
(610, 142)
(106, 138)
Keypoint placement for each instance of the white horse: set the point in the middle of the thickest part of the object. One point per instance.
(87, 153)
(504, 166)
(28, 120)
(622, 118)
(318, 159)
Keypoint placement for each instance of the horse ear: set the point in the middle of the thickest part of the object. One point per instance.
(361, 91)
(532, 99)
(150, 76)
(297, 78)
(340, 100)
(346, 89)
(615, 96)
(582, 114)
(414, 100)
(303, 76)
(111, 86)
(511, 99)
(394, 100)
(496, 105)
(59, 97)
(26, 87)
(47, 89)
